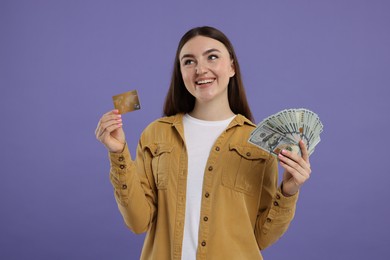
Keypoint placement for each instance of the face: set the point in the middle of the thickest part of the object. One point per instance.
(206, 68)
(273, 140)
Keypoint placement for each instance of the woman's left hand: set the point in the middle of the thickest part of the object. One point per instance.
(296, 169)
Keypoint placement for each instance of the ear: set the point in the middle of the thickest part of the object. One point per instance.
(232, 71)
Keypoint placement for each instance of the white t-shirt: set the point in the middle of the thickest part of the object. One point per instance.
(199, 136)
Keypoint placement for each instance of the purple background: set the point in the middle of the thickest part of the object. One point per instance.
(61, 61)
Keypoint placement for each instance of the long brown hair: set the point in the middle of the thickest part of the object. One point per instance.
(179, 100)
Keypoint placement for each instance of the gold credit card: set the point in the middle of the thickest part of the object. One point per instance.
(127, 102)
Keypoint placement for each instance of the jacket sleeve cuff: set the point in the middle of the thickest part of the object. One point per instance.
(282, 209)
(286, 202)
(281, 213)
(121, 166)
(119, 161)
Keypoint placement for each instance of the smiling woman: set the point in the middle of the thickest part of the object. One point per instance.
(206, 69)
(179, 99)
(195, 176)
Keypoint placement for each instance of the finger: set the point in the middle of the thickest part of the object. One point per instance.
(297, 177)
(108, 118)
(110, 115)
(108, 127)
(103, 138)
(293, 167)
(296, 158)
(291, 163)
(112, 112)
(305, 153)
(293, 157)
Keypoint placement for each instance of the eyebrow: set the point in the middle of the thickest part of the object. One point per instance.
(204, 53)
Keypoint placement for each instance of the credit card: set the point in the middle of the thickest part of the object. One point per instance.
(127, 102)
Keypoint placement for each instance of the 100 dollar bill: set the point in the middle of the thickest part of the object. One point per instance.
(273, 141)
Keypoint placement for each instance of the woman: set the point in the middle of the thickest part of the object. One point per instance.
(197, 187)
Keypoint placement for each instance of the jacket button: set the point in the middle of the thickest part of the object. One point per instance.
(278, 196)
(269, 220)
(203, 243)
(205, 218)
(121, 158)
(124, 186)
(210, 168)
(276, 203)
(122, 166)
(207, 194)
(217, 148)
(248, 154)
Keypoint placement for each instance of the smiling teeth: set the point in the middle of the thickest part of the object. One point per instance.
(204, 81)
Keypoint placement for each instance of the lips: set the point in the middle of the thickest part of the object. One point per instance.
(204, 81)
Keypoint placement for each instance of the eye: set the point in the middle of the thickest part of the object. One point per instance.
(213, 57)
(188, 62)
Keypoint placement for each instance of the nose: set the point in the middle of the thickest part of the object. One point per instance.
(200, 69)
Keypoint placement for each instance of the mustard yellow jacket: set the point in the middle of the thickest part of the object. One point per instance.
(242, 210)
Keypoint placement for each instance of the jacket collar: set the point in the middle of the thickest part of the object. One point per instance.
(177, 119)
(173, 120)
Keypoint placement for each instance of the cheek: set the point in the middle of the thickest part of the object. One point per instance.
(187, 79)
(185, 75)
(224, 69)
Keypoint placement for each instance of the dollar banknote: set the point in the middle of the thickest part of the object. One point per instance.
(285, 129)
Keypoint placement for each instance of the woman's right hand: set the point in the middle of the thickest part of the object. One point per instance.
(110, 133)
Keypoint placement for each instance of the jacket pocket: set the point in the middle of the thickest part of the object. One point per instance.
(245, 168)
(161, 158)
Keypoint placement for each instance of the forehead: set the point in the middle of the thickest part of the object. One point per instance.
(200, 44)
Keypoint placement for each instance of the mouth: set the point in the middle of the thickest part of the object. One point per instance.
(204, 81)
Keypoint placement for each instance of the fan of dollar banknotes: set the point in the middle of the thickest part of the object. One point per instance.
(285, 129)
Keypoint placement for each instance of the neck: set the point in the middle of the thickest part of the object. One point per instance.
(212, 111)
